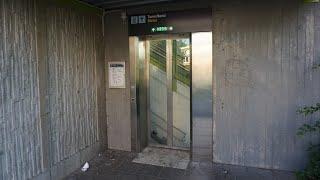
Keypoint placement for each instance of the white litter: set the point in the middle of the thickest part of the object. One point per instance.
(85, 167)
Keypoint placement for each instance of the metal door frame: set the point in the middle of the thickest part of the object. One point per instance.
(202, 62)
(136, 133)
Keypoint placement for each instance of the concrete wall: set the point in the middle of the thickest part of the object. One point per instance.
(52, 89)
(118, 100)
(20, 127)
(263, 58)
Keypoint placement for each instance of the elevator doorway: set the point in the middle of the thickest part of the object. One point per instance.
(169, 74)
(163, 91)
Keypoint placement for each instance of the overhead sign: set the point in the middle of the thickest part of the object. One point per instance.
(171, 22)
(117, 73)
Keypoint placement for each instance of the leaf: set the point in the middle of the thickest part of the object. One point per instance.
(309, 109)
(316, 66)
(309, 128)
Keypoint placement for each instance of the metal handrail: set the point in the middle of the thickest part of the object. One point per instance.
(164, 121)
(161, 53)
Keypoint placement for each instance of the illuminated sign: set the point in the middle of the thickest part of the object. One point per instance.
(162, 29)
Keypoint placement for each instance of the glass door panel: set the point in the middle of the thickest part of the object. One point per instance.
(181, 75)
(158, 92)
(169, 74)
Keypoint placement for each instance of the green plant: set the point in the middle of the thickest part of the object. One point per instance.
(312, 171)
(316, 66)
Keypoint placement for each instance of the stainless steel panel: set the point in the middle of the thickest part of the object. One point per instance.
(158, 92)
(169, 94)
(142, 95)
(134, 51)
(202, 111)
(181, 92)
(146, 81)
(138, 77)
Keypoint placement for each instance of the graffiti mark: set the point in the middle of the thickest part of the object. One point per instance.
(238, 73)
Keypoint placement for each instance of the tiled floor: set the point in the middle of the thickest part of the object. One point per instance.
(118, 165)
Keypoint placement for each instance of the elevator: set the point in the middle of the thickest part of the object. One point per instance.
(164, 76)
(171, 82)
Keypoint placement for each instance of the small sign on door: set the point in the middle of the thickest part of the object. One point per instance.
(117, 73)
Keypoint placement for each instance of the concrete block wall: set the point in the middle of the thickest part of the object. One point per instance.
(52, 89)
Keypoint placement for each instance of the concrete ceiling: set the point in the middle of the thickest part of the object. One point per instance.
(116, 4)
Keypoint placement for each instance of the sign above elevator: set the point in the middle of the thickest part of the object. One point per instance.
(198, 20)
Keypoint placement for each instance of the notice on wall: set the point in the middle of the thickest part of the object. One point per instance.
(117, 73)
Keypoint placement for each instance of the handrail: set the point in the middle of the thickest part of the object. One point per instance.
(161, 128)
(158, 58)
(175, 128)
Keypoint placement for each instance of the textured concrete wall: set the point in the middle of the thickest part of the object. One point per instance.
(72, 105)
(52, 89)
(263, 58)
(20, 128)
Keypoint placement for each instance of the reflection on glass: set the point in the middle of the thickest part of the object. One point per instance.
(181, 92)
(158, 92)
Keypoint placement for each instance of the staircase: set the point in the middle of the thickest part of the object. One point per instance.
(159, 132)
(181, 73)
(158, 58)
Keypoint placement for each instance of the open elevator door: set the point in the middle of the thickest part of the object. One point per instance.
(162, 61)
(163, 90)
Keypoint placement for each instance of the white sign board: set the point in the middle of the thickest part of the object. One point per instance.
(117, 73)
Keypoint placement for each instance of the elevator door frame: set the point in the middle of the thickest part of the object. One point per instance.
(169, 39)
(201, 97)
